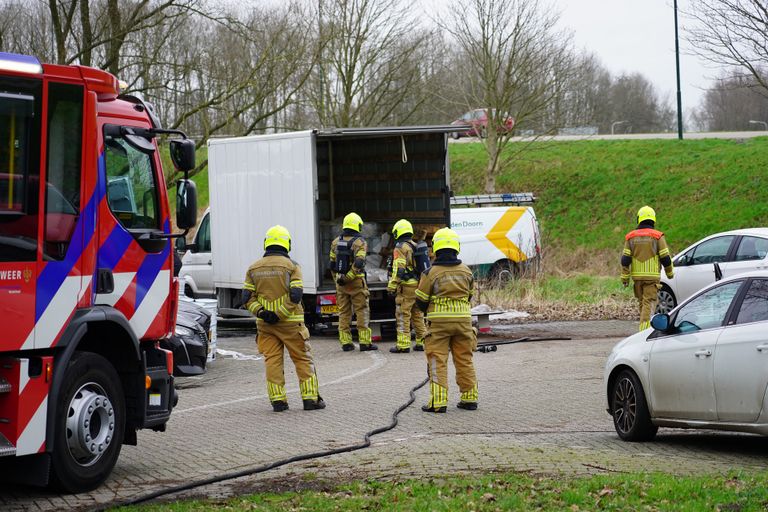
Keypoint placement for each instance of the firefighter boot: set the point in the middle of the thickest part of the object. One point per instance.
(314, 405)
(348, 347)
(419, 347)
(468, 400)
(398, 350)
(368, 346)
(403, 343)
(438, 398)
(279, 406)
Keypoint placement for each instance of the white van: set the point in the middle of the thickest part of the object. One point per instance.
(497, 241)
(196, 274)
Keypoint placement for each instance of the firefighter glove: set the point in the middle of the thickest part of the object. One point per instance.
(392, 293)
(268, 316)
(341, 281)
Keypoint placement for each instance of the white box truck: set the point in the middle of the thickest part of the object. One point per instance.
(499, 242)
(307, 181)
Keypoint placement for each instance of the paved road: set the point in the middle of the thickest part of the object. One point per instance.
(635, 136)
(541, 410)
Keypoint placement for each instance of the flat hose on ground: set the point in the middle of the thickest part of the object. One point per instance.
(272, 465)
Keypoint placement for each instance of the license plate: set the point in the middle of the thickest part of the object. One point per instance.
(330, 309)
(155, 399)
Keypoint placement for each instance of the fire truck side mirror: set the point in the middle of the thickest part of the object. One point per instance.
(183, 154)
(186, 204)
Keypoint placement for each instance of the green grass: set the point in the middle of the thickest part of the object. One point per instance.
(558, 297)
(589, 191)
(638, 491)
(200, 179)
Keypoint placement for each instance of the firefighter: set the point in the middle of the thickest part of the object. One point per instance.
(645, 251)
(348, 253)
(274, 289)
(444, 293)
(402, 285)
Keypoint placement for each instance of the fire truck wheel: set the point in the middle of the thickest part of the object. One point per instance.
(90, 422)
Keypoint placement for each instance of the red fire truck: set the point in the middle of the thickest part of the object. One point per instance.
(86, 281)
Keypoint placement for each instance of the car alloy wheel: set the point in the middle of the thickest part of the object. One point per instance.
(666, 301)
(625, 405)
(631, 416)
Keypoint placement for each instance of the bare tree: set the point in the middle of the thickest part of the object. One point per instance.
(369, 62)
(732, 33)
(732, 103)
(515, 61)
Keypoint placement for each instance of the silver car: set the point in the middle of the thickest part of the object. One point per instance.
(735, 252)
(704, 365)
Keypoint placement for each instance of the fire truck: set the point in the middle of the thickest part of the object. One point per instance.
(86, 282)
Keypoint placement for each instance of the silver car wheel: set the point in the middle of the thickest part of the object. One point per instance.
(625, 405)
(666, 301)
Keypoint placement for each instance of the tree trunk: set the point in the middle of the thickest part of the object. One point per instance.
(116, 37)
(85, 23)
(58, 33)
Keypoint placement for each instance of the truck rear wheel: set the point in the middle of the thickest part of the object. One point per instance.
(90, 423)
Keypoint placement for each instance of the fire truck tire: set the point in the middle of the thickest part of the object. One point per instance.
(90, 423)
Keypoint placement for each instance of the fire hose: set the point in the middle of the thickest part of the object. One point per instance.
(491, 346)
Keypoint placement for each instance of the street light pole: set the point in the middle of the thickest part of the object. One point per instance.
(679, 95)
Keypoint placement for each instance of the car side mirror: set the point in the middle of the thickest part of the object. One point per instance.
(660, 322)
(193, 247)
(181, 244)
(183, 154)
(718, 272)
(186, 204)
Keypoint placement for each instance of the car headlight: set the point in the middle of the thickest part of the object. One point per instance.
(183, 331)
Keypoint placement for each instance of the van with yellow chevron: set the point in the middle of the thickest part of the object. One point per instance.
(499, 233)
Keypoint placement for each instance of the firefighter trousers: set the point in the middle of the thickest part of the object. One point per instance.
(348, 297)
(647, 294)
(459, 339)
(272, 340)
(408, 312)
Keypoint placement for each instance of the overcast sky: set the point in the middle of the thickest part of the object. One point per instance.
(638, 35)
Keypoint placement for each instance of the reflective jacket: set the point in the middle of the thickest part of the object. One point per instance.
(275, 285)
(446, 289)
(359, 251)
(645, 252)
(403, 266)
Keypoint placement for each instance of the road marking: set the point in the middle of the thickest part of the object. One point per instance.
(378, 362)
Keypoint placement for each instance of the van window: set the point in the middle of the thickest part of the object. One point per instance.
(20, 109)
(204, 235)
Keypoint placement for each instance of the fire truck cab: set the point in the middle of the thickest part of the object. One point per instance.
(86, 280)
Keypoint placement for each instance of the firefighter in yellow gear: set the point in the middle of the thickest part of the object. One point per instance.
(274, 287)
(347, 257)
(402, 285)
(444, 293)
(645, 252)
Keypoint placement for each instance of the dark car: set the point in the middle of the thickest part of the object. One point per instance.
(189, 344)
(477, 122)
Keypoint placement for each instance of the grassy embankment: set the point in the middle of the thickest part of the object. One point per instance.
(588, 193)
(743, 492)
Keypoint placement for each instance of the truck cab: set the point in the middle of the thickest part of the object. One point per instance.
(86, 288)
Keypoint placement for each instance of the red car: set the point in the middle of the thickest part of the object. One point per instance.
(477, 119)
